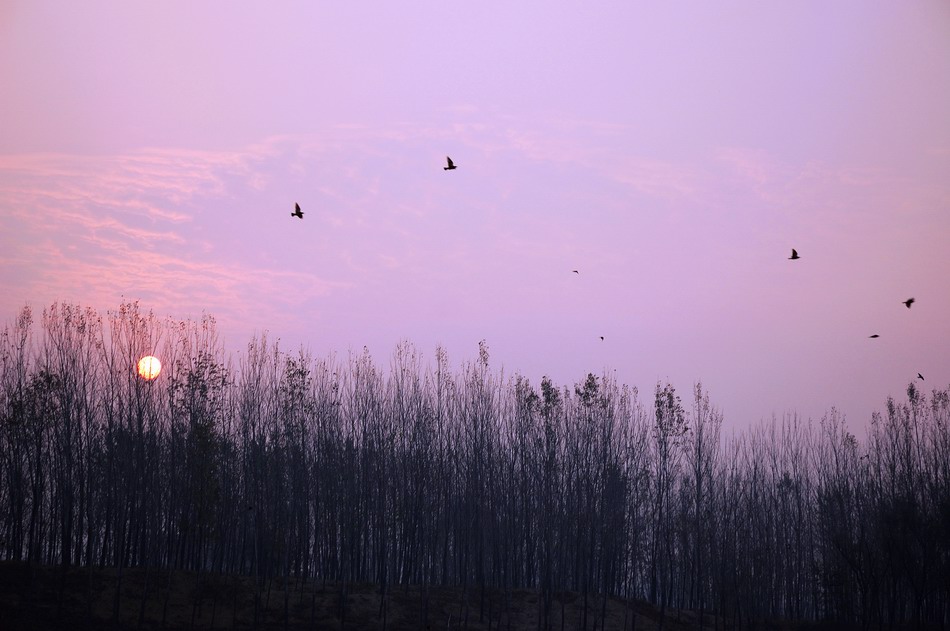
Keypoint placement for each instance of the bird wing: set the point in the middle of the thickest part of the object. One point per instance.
(451, 164)
(794, 252)
(297, 207)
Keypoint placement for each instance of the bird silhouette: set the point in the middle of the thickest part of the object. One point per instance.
(874, 336)
(575, 271)
(920, 376)
(451, 164)
(908, 302)
(794, 256)
(297, 212)
(601, 338)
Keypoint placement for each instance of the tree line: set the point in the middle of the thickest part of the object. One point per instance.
(276, 464)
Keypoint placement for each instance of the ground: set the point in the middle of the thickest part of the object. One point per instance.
(41, 598)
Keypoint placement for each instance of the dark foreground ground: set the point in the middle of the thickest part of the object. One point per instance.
(43, 598)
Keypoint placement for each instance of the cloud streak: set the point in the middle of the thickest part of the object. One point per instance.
(669, 246)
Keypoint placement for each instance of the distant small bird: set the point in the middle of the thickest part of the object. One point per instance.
(794, 256)
(920, 376)
(874, 336)
(575, 271)
(908, 302)
(297, 212)
(601, 338)
(451, 164)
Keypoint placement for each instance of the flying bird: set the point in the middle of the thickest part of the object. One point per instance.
(794, 256)
(575, 271)
(601, 338)
(297, 212)
(920, 376)
(451, 164)
(908, 302)
(874, 336)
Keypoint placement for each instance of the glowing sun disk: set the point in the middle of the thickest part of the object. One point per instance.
(149, 367)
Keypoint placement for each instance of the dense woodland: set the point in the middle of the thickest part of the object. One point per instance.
(274, 464)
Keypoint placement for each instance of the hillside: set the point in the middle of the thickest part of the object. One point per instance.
(41, 598)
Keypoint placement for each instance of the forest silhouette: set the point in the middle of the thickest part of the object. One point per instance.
(276, 465)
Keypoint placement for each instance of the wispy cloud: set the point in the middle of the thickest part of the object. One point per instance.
(92, 228)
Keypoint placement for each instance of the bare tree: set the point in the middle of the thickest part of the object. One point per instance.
(289, 468)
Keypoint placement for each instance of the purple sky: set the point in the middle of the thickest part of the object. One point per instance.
(674, 153)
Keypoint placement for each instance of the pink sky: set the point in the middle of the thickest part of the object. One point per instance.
(674, 153)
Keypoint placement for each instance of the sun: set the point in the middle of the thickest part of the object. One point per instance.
(149, 367)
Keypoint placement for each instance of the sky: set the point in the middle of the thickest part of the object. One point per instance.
(672, 153)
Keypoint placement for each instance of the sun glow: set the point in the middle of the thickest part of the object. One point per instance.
(149, 367)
